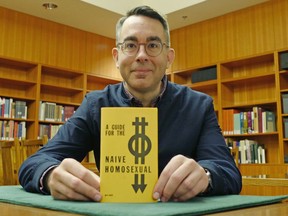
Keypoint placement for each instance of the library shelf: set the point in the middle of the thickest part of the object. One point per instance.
(242, 84)
(34, 83)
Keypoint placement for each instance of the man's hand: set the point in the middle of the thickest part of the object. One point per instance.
(72, 181)
(181, 179)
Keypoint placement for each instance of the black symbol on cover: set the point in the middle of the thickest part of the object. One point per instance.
(139, 145)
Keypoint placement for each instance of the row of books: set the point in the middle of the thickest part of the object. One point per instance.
(53, 112)
(250, 152)
(13, 109)
(256, 120)
(205, 74)
(11, 129)
(49, 130)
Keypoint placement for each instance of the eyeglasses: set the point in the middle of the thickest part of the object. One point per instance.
(152, 48)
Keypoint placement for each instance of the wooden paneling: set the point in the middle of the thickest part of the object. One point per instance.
(280, 22)
(99, 56)
(30, 38)
(19, 35)
(267, 179)
(264, 169)
(264, 190)
(62, 46)
(246, 32)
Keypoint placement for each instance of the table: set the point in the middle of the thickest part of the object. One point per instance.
(11, 210)
(278, 209)
(18, 198)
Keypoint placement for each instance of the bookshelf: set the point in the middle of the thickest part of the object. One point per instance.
(283, 86)
(19, 81)
(96, 82)
(244, 83)
(209, 87)
(35, 83)
(61, 86)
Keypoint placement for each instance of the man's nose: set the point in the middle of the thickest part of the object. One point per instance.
(142, 54)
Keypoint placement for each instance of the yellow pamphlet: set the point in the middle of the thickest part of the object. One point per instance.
(129, 154)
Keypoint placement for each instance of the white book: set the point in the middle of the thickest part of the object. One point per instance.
(264, 122)
(242, 150)
(259, 154)
(263, 156)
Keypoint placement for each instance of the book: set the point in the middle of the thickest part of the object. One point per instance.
(129, 154)
(8, 107)
(285, 103)
(245, 123)
(204, 74)
(250, 122)
(285, 121)
(256, 122)
(261, 154)
(242, 152)
(20, 109)
(68, 112)
(2, 106)
(260, 121)
(250, 150)
(283, 61)
(229, 122)
(255, 152)
(270, 121)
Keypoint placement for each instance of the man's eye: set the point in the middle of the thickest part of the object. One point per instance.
(153, 45)
(130, 46)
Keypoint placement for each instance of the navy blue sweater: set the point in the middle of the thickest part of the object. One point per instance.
(187, 125)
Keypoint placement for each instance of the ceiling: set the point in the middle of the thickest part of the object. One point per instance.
(100, 16)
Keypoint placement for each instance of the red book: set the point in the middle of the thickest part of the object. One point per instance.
(68, 112)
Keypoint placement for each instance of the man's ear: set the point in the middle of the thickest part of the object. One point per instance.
(115, 56)
(170, 57)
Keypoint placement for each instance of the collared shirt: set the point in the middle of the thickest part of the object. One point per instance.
(137, 103)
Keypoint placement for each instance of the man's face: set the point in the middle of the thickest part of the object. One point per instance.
(141, 72)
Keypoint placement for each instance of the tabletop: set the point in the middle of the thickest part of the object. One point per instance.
(278, 209)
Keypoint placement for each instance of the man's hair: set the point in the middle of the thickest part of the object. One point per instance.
(144, 11)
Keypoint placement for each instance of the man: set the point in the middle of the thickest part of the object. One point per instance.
(193, 157)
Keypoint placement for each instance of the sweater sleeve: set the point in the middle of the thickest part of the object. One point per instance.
(214, 155)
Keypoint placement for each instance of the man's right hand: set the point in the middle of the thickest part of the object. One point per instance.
(72, 181)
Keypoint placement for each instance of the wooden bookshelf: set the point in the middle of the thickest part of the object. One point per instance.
(241, 84)
(96, 82)
(283, 89)
(19, 81)
(35, 83)
(209, 87)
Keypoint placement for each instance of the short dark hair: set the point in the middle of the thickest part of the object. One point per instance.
(144, 11)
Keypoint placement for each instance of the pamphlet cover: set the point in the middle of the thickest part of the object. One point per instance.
(129, 154)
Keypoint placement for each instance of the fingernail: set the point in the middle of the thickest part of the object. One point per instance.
(98, 198)
(163, 199)
(156, 195)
